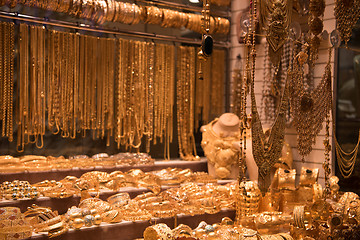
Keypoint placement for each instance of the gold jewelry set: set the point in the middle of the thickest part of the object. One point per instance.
(219, 150)
(33, 163)
(101, 11)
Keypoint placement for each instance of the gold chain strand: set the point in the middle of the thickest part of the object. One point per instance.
(179, 94)
(146, 94)
(22, 111)
(111, 88)
(125, 90)
(119, 91)
(2, 81)
(50, 79)
(84, 84)
(163, 94)
(11, 81)
(99, 85)
(32, 84)
(167, 101)
(71, 94)
(156, 91)
(64, 86)
(88, 55)
(142, 80)
(56, 81)
(5, 78)
(150, 92)
(105, 96)
(89, 84)
(171, 75)
(76, 85)
(41, 90)
(93, 96)
(326, 163)
(172, 92)
(82, 77)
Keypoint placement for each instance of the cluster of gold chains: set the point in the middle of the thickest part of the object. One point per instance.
(186, 72)
(69, 77)
(145, 97)
(74, 84)
(6, 78)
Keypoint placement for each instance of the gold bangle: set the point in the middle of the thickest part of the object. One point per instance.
(119, 200)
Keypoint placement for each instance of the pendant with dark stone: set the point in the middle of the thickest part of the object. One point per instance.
(306, 103)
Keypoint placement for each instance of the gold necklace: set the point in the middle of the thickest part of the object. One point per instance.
(11, 80)
(5, 78)
(150, 94)
(309, 108)
(23, 81)
(266, 152)
(347, 13)
(110, 90)
(2, 79)
(276, 16)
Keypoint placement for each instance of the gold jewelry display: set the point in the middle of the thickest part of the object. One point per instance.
(219, 150)
(309, 108)
(346, 13)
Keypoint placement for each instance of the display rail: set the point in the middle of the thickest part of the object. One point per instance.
(90, 28)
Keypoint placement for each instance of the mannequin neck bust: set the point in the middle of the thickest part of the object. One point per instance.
(227, 125)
